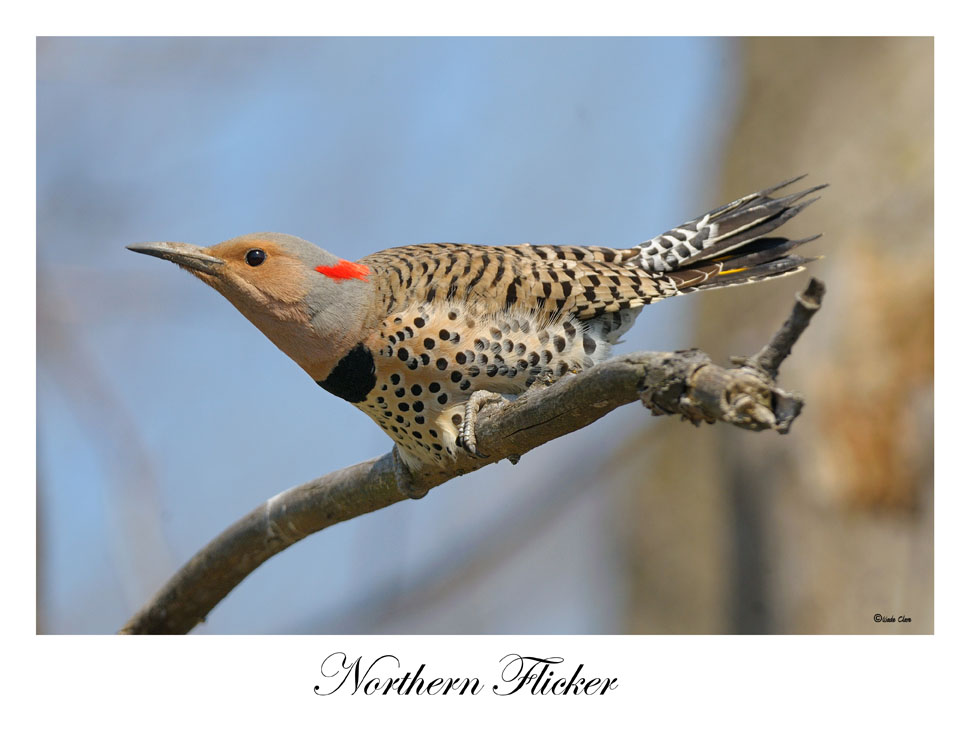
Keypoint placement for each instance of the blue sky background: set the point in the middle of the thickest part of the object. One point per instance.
(163, 416)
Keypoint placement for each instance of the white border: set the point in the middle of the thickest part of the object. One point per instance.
(684, 687)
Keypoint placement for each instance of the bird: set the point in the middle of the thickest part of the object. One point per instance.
(422, 337)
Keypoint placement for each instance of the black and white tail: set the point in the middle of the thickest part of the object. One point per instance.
(727, 246)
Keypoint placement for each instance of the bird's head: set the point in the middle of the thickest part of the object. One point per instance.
(310, 303)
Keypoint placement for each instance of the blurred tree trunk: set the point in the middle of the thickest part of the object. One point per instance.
(819, 530)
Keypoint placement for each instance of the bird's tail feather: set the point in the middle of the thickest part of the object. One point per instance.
(728, 232)
(759, 260)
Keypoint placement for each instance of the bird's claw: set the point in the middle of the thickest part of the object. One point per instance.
(473, 406)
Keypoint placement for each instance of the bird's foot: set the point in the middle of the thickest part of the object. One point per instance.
(474, 405)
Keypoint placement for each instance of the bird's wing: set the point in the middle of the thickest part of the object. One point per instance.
(583, 281)
(725, 247)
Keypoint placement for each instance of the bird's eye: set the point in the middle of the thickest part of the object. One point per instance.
(255, 257)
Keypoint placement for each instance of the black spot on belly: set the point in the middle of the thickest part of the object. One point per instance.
(353, 377)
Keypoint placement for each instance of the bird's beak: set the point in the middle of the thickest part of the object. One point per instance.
(191, 257)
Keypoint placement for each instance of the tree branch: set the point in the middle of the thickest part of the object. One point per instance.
(685, 383)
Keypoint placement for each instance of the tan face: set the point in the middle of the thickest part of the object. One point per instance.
(311, 304)
(259, 271)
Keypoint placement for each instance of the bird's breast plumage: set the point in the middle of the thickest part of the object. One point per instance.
(430, 358)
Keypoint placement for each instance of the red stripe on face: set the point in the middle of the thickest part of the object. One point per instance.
(345, 270)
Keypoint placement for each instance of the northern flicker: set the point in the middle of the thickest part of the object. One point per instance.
(419, 337)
